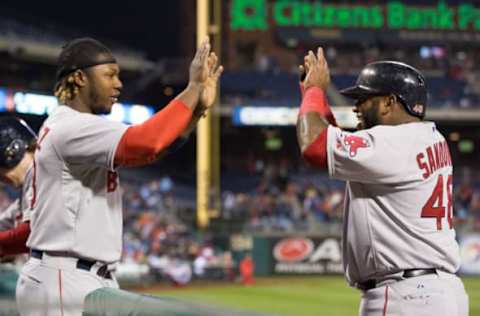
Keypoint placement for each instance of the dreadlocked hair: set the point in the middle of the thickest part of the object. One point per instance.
(66, 89)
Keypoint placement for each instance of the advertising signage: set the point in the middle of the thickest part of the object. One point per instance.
(470, 254)
(256, 15)
(284, 116)
(307, 255)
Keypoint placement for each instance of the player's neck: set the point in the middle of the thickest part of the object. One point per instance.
(408, 119)
(402, 118)
(79, 105)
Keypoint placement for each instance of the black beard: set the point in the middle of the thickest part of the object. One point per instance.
(370, 117)
(96, 107)
(100, 111)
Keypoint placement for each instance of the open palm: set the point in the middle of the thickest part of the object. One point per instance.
(209, 93)
(316, 68)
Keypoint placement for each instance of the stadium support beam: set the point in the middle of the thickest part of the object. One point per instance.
(215, 30)
(203, 132)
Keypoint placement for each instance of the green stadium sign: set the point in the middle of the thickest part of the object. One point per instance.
(253, 15)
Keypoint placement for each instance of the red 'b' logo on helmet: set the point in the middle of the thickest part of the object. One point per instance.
(418, 108)
(354, 143)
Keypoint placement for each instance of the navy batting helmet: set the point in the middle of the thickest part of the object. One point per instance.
(392, 77)
(16, 137)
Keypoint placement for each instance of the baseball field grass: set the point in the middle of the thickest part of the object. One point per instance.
(292, 296)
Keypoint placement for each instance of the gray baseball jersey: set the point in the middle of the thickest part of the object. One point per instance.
(398, 204)
(10, 216)
(76, 203)
(18, 211)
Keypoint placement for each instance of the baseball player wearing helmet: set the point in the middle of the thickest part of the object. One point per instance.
(76, 207)
(17, 144)
(399, 244)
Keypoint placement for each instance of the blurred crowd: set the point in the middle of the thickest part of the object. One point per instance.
(454, 61)
(282, 203)
(155, 235)
(452, 72)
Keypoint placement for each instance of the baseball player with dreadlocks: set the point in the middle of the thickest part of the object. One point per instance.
(399, 244)
(76, 210)
(17, 144)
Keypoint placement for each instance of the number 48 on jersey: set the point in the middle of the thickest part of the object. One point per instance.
(435, 205)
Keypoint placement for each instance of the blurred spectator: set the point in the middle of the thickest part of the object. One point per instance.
(463, 200)
(179, 272)
(247, 268)
(201, 262)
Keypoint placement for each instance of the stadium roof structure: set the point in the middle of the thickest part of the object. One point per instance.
(34, 44)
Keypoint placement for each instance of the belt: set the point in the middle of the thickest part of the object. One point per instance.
(82, 264)
(410, 273)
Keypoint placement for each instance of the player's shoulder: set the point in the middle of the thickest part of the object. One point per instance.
(63, 123)
(395, 136)
(414, 129)
(66, 115)
(66, 120)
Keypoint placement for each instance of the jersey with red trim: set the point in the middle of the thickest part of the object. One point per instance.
(27, 194)
(398, 204)
(76, 203)
(18, 211)
(10, 215)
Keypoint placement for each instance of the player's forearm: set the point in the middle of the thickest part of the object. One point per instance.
(313, 117)
(312, 125)
(198, 113)
(13, 241)
(141, 144)
(191, 95)
(312, 138)
(309, 127)
(315, 100)
(183, 139)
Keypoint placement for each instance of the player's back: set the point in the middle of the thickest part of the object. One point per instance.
(77, 201)
(398, 211)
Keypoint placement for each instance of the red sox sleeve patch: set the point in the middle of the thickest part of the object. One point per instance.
(353, 143)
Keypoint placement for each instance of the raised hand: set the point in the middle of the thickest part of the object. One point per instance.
(199, 70)
(317, 73)
(209, 93)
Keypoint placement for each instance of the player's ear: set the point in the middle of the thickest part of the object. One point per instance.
(80, 78)
(390, 104)
(386, 106)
